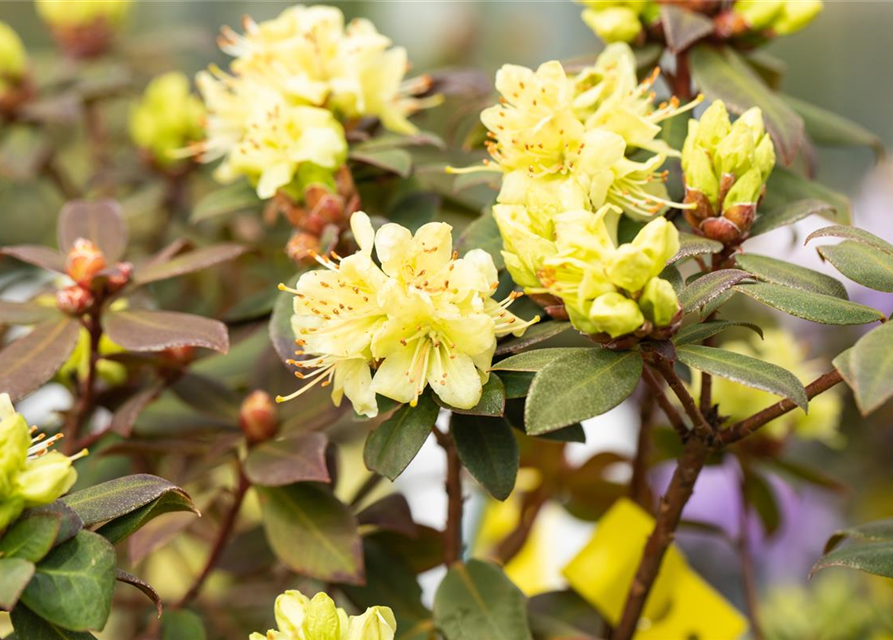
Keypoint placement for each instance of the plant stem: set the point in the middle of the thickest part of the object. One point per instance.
(452, 543)
(665, 368)
(512, 544)
(669, 514)
(745, 427)
(665, 405)
(84, 403)
(682, 77)
(220, 544)
(638, 484)
(748, 579)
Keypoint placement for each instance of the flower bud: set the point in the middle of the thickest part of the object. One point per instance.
(83, 28)
(713, 126)
(119, 278)
(15, 439)
(13, 59)
(796, 15)
(746, 190)
(377, 623)
(700, 176)
(758, 14)
(764, 157)
(74, 300)
(630, 268)
(84, 261)
(258, 417)
(659, 240)
(734, 154)
(613, 23)
(178, 357)
(659, 303)
(524, 251)
(615, 314)
(302, 247)
(45, 479)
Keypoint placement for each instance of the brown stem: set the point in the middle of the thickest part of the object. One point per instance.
(682, 77)
(665, 405)
(54, 172)
(452, 543)
(512, 544)
(669, 514)
(745, 427)
(220, 544)
(665, 368)
(86, 396)
(748, 579)
(638, 484)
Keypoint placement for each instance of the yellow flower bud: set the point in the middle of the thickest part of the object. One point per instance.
(759, 14)
(734, 153)
(659, 303)
(377, 623)
(699, 173)
(321, 619)
(712, 127)
(13, 59)
(79, 13)
(167, 118)
(659, 240)
(613, 23)
(746, 189)
(524, 251)
(45, 479)
(630, 268)
(764, 156)
(795, 15)
(15, 439)
(615, 314)
(299, 617)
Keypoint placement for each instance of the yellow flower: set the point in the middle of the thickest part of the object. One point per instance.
(618, 20)
(783, 17)
(301, 618)
(781, 348)
(167, 118)
(30, 474)
(75, 13)
(681, 604)
(13, 59)
(424, 317)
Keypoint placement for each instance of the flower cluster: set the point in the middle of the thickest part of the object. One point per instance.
(726, 167)
(13, 60)
(167, 118)
(777, 17)
(605, 288)
(781, 348)
(561, 141)
(423, 317)
(619, 20)
(292, 82)
(300, 618)
(30, 474)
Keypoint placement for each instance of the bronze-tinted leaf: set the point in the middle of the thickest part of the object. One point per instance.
(296, 457)
(142, 585)
(38, 255)
(101, 222)
(188, 262)
(391, 513)
(26, 312)
(140, 330)
(32, 360)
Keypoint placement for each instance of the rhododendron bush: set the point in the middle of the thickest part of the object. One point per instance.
(264, 303)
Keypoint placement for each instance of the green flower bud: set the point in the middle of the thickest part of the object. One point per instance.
(699, 174)
(290, 611)
(615, 314)
(795, 15)
(79, 13)
(659, 303)
(377, 623)
(15, 438)
(167, 118)
(764, 156)
(613, 23)
(759, 14)
(321, 621)
(44, 479)
(746, 189)
(13, 59)
(630, 268)
(734, 154)
(659, 240)
(712, 127)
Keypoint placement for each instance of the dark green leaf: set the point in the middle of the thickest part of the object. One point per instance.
(476, 601)
(682, 28)
(787, 213)
(15, 574)
(492, 402)
(145, 587)
(31, 537)
(488, 449)
(829, 129)
(791, 275)
(814, 307)
(393, 445)
(692, 245)
(32, 360)
(852, 233)
(722, 74)
(233, 198)
(537, 333)
(875, 558)
(868, 368)
(188, 263)
(70, 521)
(116, 498)
(128, 524)
(698, 332)
(182, 625)
(564, 615)
(573, 433)
(483, 233)
(759, 494)
(140, 330)
(26, 313)
(537, 359)
(312, 532)
(398, 161)
(578, 386)
(745, 370)
(73, 586)
(391, 513)
(877, 531)
(788, 188)
(28, 624)
(296, 457)
(101, 222)
(710, 286)
(392, 141)
(517, 383)
(208, 396)
(861, 263)
(672, 275)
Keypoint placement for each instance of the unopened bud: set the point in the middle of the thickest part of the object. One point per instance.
(721, 230)
(741, 215)
(659, 303)
(796, 15)
(302, 247)
(258, 417)
(84, 261)
(74, 300)
(616, 314)
(13, 59)
(83, 28)
(179, 357)
(323, 204)
(613, 23)
(120, 277)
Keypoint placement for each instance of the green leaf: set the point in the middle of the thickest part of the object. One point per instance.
(786, 188)
(73, 586)
(231, 199)
(295, 457)
(868, 368)
(182, 625)
(535, 360)
(143, 586)
(312, 532)
(31, 537)
(861, 263)
(483, 233)
(70, 521)
(282, 335)
(141, 330)
(492, 402)
(26, 313)
(829, 129)
(415, 209)
(672, 275)
(28, 624)
(852, 233)
(101, 222)
(188, 263)
(488, 449)
(814, 307)
(722, 74)
(476, 601)
(15, 574)
(791, 275)
(517, 383)
(398, 161)
(875, 558)
(578, 386)
(877, 531)
(682, 28)
(759, 494)
(116, 498)
(698, 332)
(32, 360)
(745, 370)
(393, 445)
(126, 525)
(692, 245)
(539, 332)
(787, 213)
(709, 287)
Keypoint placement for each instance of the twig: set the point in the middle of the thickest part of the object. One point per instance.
(748, 579)
(665, 405)
(682, 77)
(452, 544)
(665, 368)
(84, 404)
(745, 427)
(512, 544)
(638, 484)
(220, 544)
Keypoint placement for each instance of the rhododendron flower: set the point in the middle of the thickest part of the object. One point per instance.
(167, 118)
